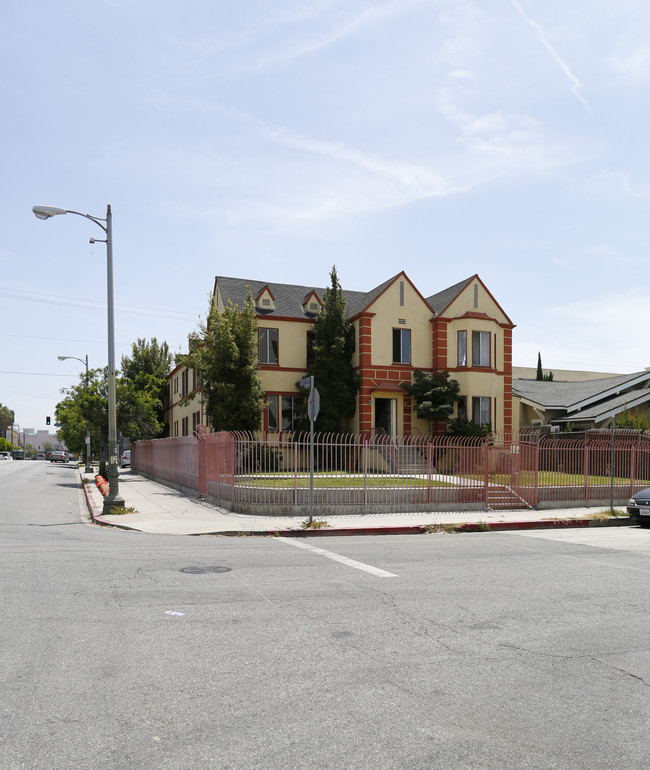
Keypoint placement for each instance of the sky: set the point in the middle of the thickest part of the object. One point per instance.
(273, 139)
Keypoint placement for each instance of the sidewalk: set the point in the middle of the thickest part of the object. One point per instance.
(162, 510)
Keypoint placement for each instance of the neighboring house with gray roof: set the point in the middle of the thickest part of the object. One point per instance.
(585, 404)
(461, 329)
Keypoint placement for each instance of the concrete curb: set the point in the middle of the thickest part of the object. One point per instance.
(419, 529)
(415, 529)
(93, 510)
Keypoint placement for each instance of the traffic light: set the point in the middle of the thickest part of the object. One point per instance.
(47, 420)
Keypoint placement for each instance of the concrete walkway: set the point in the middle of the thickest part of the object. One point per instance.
(162, 510)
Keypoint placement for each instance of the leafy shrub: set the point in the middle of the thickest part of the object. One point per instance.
(263, 459)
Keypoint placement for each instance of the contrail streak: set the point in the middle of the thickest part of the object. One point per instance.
(577, 85)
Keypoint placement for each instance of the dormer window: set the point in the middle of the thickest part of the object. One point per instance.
(265, 301)
(311, 304)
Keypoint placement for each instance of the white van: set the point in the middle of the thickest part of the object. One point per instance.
(6, 456)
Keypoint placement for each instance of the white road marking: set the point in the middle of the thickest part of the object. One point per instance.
(630, 539)
(336, 557)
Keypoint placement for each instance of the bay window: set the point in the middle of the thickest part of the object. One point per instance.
(462, 349)
(481, 410)
(480, 348)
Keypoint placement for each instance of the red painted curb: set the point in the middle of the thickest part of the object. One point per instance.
(418, 529)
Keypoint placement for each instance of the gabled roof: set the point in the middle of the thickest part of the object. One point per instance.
(589, 400)
(289, 299)
(444, 298)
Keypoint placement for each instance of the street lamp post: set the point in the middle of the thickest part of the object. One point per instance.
(113, 499)
(89, 467)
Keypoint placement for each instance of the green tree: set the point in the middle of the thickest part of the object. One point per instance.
(142, 389)
(224, 356)
(6, 419)
(434, 395)
(331, 365)
(6, 445)
(85, 407)
(540, 372)
(632, 419)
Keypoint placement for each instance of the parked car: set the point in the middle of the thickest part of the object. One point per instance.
(6, 456)
(126, 458)
(40, 456)
(639, 507)
(58, 457)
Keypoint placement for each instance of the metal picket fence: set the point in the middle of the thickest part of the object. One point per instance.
(271, 472)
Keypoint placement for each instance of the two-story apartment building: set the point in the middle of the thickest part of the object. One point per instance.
(397, 330)
(181, 418)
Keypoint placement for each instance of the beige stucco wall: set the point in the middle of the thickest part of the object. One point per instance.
(292, 355)
(477, 382)
(177, 412)
(561, 375)
(416, 316)
(465, 303)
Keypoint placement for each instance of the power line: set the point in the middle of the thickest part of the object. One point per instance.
(61, 339)
(39, 374)
(89, 304)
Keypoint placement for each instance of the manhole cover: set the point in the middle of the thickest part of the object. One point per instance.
(203, 570)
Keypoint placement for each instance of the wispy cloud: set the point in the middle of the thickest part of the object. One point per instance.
(624, 183)
(576, 85)
(371, 15)
(635, 66)
(418, 178)
(341, 182)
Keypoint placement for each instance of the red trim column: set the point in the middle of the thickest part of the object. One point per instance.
(440, 328)
(507, 379)
(365, 345)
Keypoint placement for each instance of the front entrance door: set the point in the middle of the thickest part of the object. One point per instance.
(386, 415)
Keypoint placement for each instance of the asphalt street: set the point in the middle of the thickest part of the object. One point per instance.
(484, 650)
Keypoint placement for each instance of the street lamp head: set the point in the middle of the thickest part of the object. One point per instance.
(62, 358)
(45, 212)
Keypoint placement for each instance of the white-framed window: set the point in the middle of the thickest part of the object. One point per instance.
(480, 348)
(401, 346)
(462, 348)
(481, 410)
(267, 346)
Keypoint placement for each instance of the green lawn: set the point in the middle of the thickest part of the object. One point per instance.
(556, 478)
(378, 481)
(336, 481)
